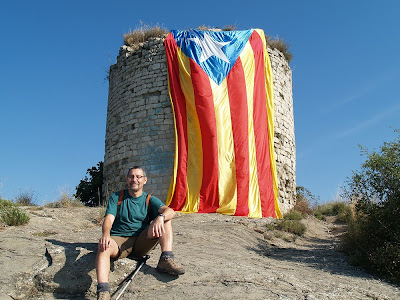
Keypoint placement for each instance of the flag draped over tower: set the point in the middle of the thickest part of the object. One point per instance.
(221, 90)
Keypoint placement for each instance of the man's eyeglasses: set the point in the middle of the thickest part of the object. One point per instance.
(137, 176)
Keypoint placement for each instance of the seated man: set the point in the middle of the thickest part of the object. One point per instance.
(134, 227)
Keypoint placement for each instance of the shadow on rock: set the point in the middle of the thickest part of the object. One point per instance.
(146, 270)
(321, 255)
(164, 277)
(69, 267)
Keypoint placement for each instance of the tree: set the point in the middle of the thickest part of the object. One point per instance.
(373, 238)
(304, 200)
(89, 190)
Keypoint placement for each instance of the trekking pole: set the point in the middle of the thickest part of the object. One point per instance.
(142, 262)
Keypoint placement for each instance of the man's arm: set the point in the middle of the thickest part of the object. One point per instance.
(157, 225)
(168, 212)
(104, 242)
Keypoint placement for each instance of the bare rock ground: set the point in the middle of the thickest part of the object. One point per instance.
(225, 257)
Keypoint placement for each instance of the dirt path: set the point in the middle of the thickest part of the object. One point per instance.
(225, 257)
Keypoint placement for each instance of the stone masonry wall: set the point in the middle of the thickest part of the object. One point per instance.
(140, 122)
(284, 142)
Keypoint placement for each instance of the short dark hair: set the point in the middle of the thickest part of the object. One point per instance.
(136, 167)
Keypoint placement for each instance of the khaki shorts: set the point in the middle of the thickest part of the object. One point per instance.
(136, 246)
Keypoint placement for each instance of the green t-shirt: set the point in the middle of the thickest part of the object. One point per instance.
(132, 217)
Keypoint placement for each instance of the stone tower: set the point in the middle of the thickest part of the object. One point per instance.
(140, 122)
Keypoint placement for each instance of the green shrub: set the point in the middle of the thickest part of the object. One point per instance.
(11, 215)
(329, 209)
(5, 204)
(345, 215)
(319, 215)
(293, 215)
(278, 234)
(373, 237)
(291, 226)
(373, 246)
(340, 209)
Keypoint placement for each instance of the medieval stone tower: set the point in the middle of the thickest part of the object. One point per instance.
(140, 122)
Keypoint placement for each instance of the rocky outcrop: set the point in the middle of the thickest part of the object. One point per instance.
(225, 257)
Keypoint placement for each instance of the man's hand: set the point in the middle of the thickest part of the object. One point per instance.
(157, 227)
(104, 242)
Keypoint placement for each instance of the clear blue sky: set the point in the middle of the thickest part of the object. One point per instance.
(53, 92)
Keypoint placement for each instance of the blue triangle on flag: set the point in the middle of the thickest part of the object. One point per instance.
(214, 52)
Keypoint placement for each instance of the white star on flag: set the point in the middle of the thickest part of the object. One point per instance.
(210, 47)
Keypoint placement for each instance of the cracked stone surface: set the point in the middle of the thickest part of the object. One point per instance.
(225, 257)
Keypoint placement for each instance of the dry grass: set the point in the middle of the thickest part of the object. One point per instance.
(25, 198)
(45, 233)
(65, 201)
(212, 28)
(204, 27)
(229, 28)
(144, 32)
(281, 45)
(303, 205)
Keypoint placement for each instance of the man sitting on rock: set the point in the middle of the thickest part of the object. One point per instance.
(134, 228)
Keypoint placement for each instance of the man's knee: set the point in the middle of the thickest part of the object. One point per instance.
(167, 228)
(111, 251)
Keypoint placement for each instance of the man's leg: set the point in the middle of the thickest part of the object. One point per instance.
(103, 269)
(167, 263)
(146, 242)
(167, 238)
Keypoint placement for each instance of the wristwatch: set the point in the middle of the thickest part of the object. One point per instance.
(161, 215)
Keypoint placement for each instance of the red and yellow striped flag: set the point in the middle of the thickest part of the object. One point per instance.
(221, 89)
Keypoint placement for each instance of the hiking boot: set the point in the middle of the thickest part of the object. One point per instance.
(169, 266)
(103, 296)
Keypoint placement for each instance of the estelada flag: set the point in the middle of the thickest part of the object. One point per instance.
(221, 90)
